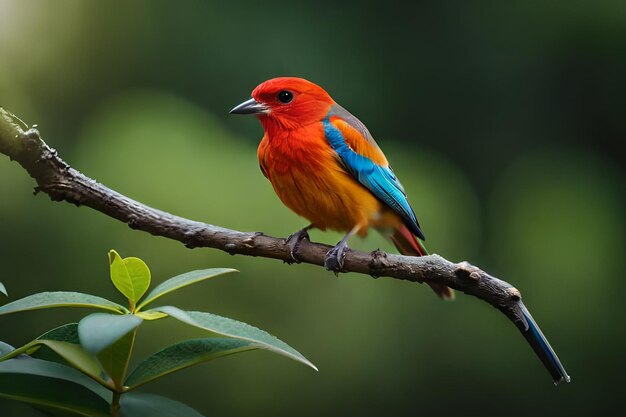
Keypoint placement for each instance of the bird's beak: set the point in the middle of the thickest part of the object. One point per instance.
(250, 107)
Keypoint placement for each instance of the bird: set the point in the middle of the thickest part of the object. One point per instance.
(324, 165)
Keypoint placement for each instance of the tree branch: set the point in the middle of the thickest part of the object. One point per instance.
(63, 183)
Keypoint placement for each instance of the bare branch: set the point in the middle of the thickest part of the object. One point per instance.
(63, 183)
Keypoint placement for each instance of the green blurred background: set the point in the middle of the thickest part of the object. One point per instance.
(504, 120)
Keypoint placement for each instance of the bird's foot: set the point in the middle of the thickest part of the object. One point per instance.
(334, 257)
(293, 241)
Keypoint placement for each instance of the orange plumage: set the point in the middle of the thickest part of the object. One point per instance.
(326, 167)
(310, 181)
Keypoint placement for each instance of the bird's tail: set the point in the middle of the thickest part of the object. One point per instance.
(408, 244)
(542, 348)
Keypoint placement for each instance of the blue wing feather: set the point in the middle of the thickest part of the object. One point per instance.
(380, 180)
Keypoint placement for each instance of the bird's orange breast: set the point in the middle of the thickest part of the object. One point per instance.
(308, 178)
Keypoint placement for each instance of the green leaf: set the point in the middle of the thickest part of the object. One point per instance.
(60, 299)
(150, 405)
(31, 366)
(115, 358)
(3, 289)
(130, 276)
(232, 328)
(150, 315)
(52, 386)
(183, 355)
(110, 337)
(53, 394)
(52, 412)
(66, 333)
(63, 341)
(5, 348)
(119, 275)
(100, 330)
(139, 275)
(73, 354)
(181, 281)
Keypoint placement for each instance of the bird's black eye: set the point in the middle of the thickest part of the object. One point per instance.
(285, 96)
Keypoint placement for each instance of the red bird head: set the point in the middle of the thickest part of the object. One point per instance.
(287, 102)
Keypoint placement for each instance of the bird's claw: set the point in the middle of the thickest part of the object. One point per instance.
(333, 260)
(293, 241)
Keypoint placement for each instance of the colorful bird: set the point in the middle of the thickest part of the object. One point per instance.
(325, 166)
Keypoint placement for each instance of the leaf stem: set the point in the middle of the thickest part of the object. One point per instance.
(115, 404)
(130, 353)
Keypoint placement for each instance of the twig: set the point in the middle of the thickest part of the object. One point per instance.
(63, 183)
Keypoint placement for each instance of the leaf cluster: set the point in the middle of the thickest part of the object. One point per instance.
(83, 368)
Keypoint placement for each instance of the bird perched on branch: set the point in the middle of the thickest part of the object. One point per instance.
(325, 166)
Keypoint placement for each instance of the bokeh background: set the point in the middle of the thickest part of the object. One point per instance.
(504, 120)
